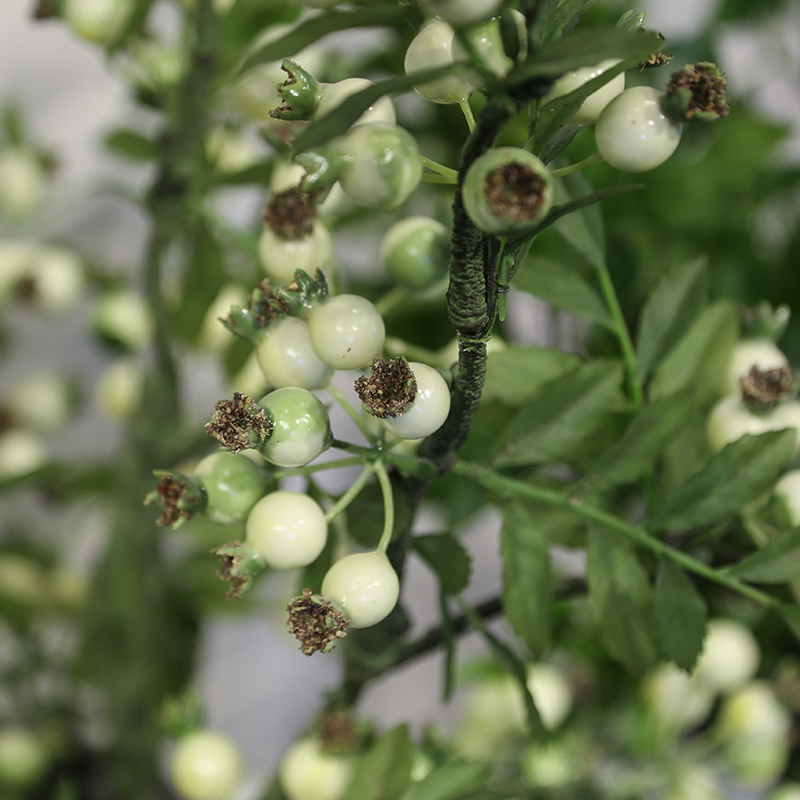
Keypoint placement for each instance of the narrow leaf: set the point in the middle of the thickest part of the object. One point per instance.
(515, 373)
(694, 363)
(583, 230)
(778, 562)
(316, 28)
(448, 559)
(562, 288)
(621, 599)
(644, 440)
(384, 771)
(680, 616)
(130, 144)
(791, 616)
(734, 477)
(560, 19)
(673, 305)
(527, 577)
(562, 415)
(450, 781)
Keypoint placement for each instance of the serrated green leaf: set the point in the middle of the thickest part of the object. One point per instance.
(777, 562)
(621, 600)
(695, 362)
(201, 282)
(515, 373)
(527, 577)
(680, 615)
(315, 28)
(563, 288)
(447, 558)
(560, 18)
(130, 144)
(563, 414)
(384, 771)
(643, 441)
(734, 477)
(672, 306)
(352, 107)
(450, 781)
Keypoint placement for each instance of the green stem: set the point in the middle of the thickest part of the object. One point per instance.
(442, 170)
(578, 166)
(505, 487)
(312, 469)
(365, 452)
(398, 347)
(388, 506)
(428, 177)
(632, 377)
(391, 300)
(466, 108)
(351, 412)
(351, 494)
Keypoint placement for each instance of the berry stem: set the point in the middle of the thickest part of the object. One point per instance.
(577, 166)
(446, 172)
(466, 108)
(359, 419)
(351, 494)
(312, 469)
(388, 506)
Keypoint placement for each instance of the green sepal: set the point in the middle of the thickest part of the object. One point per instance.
(303, 293)
(241, 564)
(765, 322)
(300, 93)
(323, 167)
(262, 309)
(180, 496)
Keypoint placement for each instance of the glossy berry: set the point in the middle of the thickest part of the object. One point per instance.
(288, 529)
(346, 331)
(287, 358)
(97, 20)
(507, 190)
(300, 430)
(428, 410)
(749, 353)
(205, 766)
(364, 586)
(415, 252)
(590, 109)
(433, 47)
(633, 134)
(232, 483)
(730, 419)
(281, 258)
(23, 758)
(307, 773)
(381, 165)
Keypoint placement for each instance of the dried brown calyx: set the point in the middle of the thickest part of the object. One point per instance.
(515, 191)
(241, 565)
(179, 496)
(697, 92)
(291, 214)
(762, 390)
(239, 424)
(336, 732)
(389, 390)
(316, 623)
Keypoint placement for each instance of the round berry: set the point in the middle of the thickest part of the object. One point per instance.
(433, 47)
(288, 529)
(307, 773)
(301, 429)
(416, 251)
(281, 258)
(22, 181)
(334, 94)
(233, 484)
(287, 358)
(96, 20)
(364, 586)
(730, 419)
(730, 656)
(23, 757)
(205, 766)
(633, 134)
(589, 110)
(428, 410)
(787, 493)
(749, 353)
(346, 331)
(123, 318)
(380, 165)
(507, 191)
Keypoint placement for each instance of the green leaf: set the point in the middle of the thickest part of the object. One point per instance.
(527, 577)
(791, 616)
(734, 477)
(450, 781)
(384, 771)
(130, 144)
(315, 28)
(695, 362)
(560, 18)
(515, 373)
(563, 414)
(337, 122)
(643, 441)
(563, 288)
(672, 306)
(621, 600)
(447, 558)
(777, 562)
(680, 615)
(583, 230)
